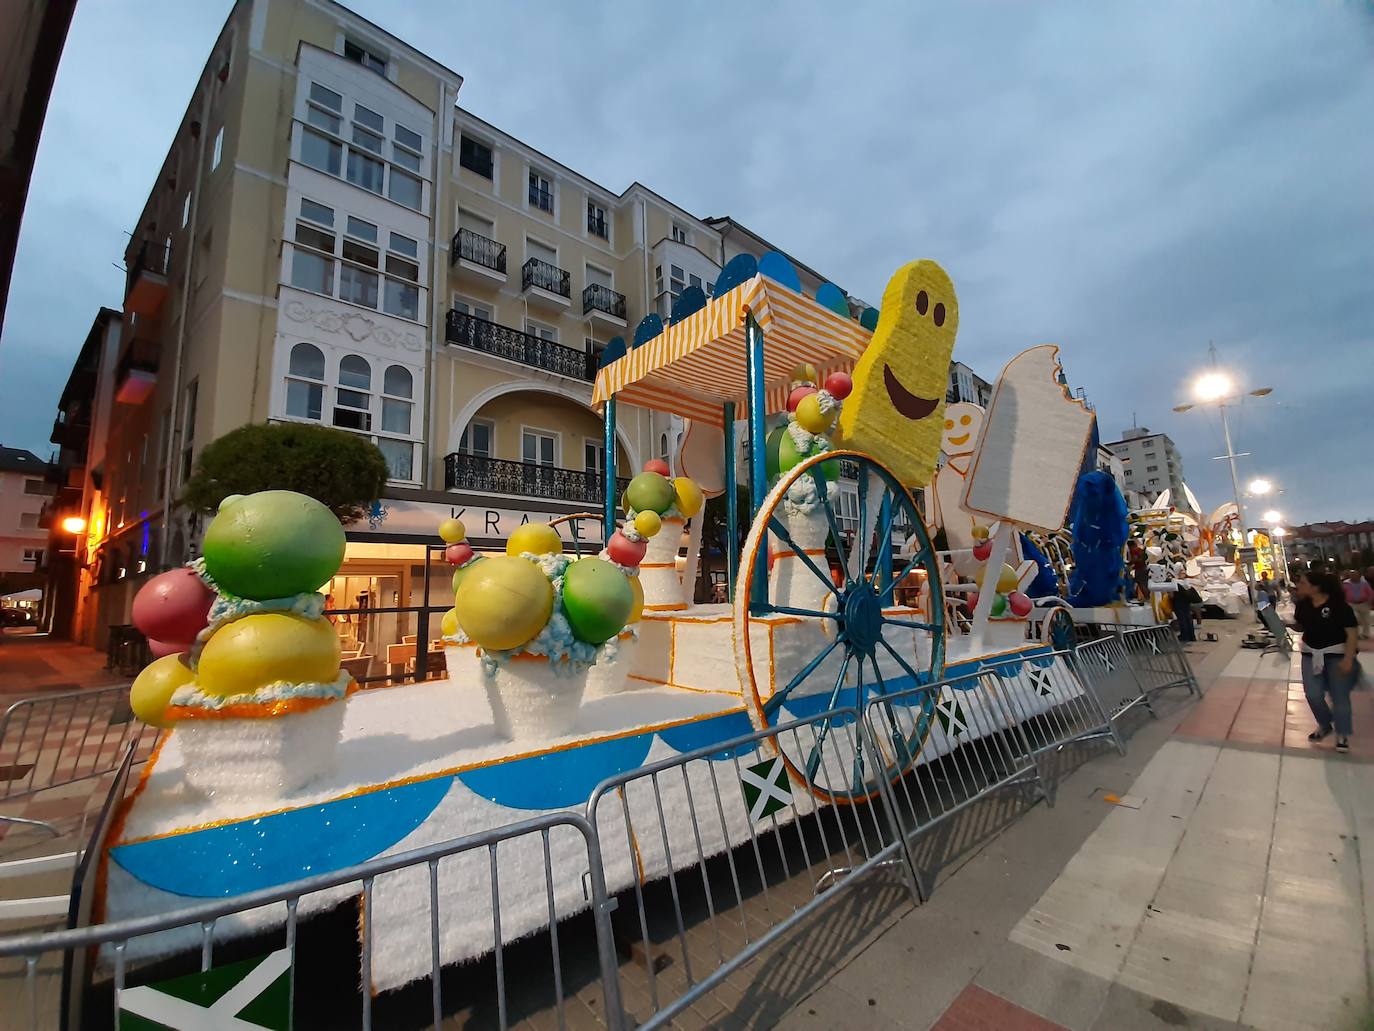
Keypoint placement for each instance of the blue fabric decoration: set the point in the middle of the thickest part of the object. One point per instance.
(869, 319)
(739, 269)
(777, 268)
(1098, 520)
(649, 327)
(828, 295)
(1046, 582)
(690, 301)
(613, 351)
(1089, 463)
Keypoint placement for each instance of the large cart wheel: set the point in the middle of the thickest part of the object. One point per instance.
(847, 642)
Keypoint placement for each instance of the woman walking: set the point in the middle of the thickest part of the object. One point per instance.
(1329, 643)
(1359, 594)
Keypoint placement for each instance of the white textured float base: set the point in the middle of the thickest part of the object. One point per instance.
(793, 583)
(531, 701)
(658, 572)
(611, 675)
(260, 759)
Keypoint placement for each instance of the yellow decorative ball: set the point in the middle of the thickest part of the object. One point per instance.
(805, 374)
(980, 533)
(1006, 583)
(266, 647)
(154, 687)
(453, 531)
(536, 538)
(648, 523)
(504, 603)
(689, 496)
(448, 625)
(637, 608)
(811, 418)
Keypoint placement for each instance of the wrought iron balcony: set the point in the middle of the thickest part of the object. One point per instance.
(513, 345)
(596, 297)
(537, 272)
(483, 475)
(476, 248)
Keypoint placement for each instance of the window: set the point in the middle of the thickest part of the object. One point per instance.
(542, 251)
(28, 520)
(476, 223)
(1152, 468)
(305, 382)
(596, 220)
(218, 151)
(679, 232)
(353, 398)
(365, 56)
(477, 311)
(593, 455)
(543, 332)
(400, 457)
(694, 281)
(396, 404)
(312, 264)
(477, 438)
(366, 276)
(663, 446)
(365, 171)
(598, 277)
(405, 245)
(405, 189)
(678, 282)
(323, 108)
(186, 210)
(538, 448)
(541, 192)
(188, 428)
(317, 212)
(43, 487)
(476, 156)
(407, 148)
(321, 152)
(34, 555)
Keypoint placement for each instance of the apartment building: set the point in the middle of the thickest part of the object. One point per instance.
(24, 488)
(333, 240)
(1150, 462)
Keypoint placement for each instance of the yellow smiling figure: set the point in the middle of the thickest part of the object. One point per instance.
(896, 412)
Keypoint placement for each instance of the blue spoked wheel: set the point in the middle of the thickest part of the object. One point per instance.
(1057, 630)
(808, 640)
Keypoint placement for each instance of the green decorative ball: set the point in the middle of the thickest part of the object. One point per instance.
(788, 455)
(650, 492)
(273, 544)
(597, 599)
(771, 444)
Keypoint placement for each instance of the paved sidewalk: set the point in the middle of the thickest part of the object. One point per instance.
(33, 664)
(1225, 889)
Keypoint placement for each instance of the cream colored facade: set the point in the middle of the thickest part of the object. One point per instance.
(332, 239)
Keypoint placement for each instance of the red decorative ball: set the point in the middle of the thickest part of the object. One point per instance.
(972, 600)
(839, 385)
(1020, 604)
(795, 398)
(173, 606)
(657, 465)
(457, 554)
(982, 550)
(161, 648)
(625, 552)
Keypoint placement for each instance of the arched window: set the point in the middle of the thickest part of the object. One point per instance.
(305, 382)
(663, 446)
(397, 412)
(353, 398)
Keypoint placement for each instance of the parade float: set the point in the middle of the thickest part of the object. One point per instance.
(566, 670)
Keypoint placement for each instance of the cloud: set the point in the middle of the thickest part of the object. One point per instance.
(1129, 181)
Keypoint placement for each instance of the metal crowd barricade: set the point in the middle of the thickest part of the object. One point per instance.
(1158, 660)
(54, 740)
(36, 1006)
(722, 881)
(1105, 668)
(1052, 699)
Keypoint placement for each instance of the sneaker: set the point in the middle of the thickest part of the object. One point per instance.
(1319, 734)
(1342, 744)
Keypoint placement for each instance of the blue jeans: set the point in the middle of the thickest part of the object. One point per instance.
(1329, 681)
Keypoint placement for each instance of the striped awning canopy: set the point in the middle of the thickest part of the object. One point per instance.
(693, 368)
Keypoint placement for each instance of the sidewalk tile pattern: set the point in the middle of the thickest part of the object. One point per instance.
(977, 1009)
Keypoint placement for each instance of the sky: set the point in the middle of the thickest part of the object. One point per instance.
(1129, 181)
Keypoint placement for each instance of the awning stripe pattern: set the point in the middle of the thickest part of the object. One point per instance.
(693, 368)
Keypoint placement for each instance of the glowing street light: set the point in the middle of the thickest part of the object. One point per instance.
(1260, 486)
(1213, 386)
(74, 525)
(1272, 518)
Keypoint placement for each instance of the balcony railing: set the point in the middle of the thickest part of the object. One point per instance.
(484, 475)
(503, 342)
(547, 277)
(476, 248)
(603, 298)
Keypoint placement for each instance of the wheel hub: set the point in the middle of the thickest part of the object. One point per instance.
(862, 622)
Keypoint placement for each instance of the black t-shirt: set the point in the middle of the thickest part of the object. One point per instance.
(1323, 626)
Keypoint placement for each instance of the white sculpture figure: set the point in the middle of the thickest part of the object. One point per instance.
(963, 423)
(1218, 590)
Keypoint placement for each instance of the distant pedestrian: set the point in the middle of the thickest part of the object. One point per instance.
(1329, 644)
(1184, 599)
(1369, 576)
(1359, 594)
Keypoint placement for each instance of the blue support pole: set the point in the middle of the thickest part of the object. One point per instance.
(882, 569)
(608, 512)
(731, 503)
(758, 433)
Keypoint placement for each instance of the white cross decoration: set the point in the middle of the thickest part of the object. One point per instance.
(773, 789)
(1154, 646)
(1041, 680)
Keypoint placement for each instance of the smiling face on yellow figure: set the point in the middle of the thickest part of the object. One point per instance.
(963, 421)
(896, 412)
